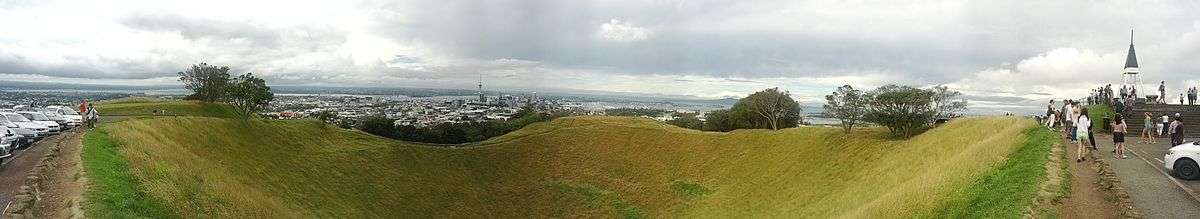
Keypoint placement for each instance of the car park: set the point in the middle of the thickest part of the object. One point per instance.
(41, 130)
(57, 118)
(73, 117)
(25, 137)
(40, 118)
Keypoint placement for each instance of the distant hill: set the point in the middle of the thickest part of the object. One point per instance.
(569, 167)
(25, 85)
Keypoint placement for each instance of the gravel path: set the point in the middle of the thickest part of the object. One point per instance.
(1157, 194)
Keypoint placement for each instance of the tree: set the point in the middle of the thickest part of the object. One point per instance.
(207, 82)
(719, 120)
(380, 126)
(688, 121)
(944, 101)
(904, 110)
(249, 93)
(324, 115)
(846, 104)
(769, 108)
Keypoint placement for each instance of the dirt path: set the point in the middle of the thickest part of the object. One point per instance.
(1088, 199)
(15, 170)
(64, 184)
(50, 172)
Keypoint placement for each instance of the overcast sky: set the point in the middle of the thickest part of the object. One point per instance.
(1001, 53)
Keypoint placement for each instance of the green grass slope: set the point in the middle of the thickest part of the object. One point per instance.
(148, 106)
(569, 167)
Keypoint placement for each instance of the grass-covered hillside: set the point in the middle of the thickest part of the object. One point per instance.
(140, 106)
(569, 167)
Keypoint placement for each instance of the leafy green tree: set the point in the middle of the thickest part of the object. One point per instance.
(904, 110)
(380, 126)
(720, 121)
(249, 93)
(688, 121)
(207, 82)
(770, 108)
(947, 102)
(324, 115)
(846, 104)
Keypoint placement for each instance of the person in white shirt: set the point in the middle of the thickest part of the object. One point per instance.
(1068, 124)
(1075, 113)
(1166, 122)
(1082, 124)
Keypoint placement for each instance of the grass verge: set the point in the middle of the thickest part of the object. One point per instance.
(1097, 113)
(1006, 191)
(113, 191)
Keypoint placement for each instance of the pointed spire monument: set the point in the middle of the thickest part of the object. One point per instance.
(1132, 75)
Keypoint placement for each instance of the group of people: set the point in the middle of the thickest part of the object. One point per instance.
(1191, 96)
(90, 115)
(1121, 102)
(1076, 125)
(1170, 126)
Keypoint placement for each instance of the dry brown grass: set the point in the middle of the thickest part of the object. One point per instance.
(578, 166)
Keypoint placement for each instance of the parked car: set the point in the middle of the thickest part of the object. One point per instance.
(22, 122)
(1181, 161)
(8, 142)
(25, 137)
(54, 116)
(42, 119)
(73, 117)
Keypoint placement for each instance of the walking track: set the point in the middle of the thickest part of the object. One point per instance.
(1153, 190)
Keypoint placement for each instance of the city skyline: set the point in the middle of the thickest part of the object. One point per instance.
(1002, 55)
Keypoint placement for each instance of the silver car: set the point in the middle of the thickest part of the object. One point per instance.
(23, 136)
(8, 143)
(40, 118)
(22, 122)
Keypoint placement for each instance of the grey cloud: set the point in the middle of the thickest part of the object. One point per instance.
(980, 35)
(195, 29)
(563, 34)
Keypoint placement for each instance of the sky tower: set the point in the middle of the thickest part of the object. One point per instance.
(1131, 77)
(481, 98)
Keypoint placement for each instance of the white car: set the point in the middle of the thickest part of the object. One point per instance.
(54, 116)
(25, 137)
(8, 143)
(22, 122)
(42, 119)
(73, 117)
(1181, 160)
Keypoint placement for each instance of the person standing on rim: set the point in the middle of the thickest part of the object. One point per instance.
(1162, 92)
(92, 116)
(1068, 113)
(1191, 95)
(1166, 122)
(1081, 126)
(1077, 112)
(1133, 93)
(1176, 131)
(1119, 136)
(1050, 114)
(1091, 137)
(1148, 128)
